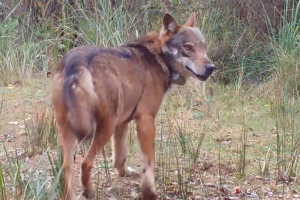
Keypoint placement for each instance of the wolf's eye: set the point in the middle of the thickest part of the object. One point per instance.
(187, 47)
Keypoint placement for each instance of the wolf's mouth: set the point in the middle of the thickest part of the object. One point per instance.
(200, 77)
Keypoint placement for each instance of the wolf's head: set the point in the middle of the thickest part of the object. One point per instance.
(184, 50)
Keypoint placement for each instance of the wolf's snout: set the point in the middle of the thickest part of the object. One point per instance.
(210, 67)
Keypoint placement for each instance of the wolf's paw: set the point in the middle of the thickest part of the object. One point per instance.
(148, 194)
(88, 194)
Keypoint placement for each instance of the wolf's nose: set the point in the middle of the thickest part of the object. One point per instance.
(210, 67)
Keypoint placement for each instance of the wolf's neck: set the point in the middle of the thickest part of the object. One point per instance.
(151, 42)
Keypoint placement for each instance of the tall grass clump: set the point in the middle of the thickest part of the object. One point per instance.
(21, 181)
(103, 26)
(285, 44)
(22, 54)
(26, 47)
(283, 90)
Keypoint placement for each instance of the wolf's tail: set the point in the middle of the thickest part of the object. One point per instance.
(81, 99)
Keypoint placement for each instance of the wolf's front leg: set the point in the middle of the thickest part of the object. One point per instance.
(146, 135)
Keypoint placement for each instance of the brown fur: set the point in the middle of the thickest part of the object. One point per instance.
(98, 91)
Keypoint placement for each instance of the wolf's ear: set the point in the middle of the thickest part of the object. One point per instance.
(191, 21)
(169, 24)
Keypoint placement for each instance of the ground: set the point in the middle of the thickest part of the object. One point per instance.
(221, 143)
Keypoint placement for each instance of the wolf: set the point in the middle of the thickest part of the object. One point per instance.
(97, 91)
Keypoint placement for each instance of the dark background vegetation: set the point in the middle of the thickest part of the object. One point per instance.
(238, 30)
